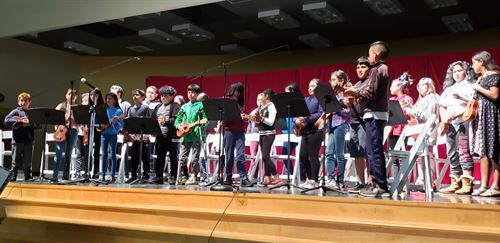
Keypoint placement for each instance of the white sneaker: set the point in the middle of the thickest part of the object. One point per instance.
(332, 183)
(310, 184)
(191, 180)
(303, 184)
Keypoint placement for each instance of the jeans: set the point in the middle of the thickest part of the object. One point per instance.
(67, 146)
(336, 146)
(235, 141)
(108, 145)
(457, 144)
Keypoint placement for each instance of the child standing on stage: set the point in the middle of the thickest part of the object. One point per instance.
(81, 144)
(338, 128)
(109, 137)
(191, 113)
(375, 93)
(23, 135)
(71, 136)
(166, 114)
(139, 110)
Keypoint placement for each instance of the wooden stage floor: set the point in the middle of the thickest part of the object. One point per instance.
(162, 213)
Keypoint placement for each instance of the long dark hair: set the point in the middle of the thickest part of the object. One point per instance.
(469, 73)
(114, 97)
(100, 100)
(236, 91)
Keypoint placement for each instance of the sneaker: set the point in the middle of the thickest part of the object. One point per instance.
(374, 191)
(332, 184)
(246, 183)
(183, 180)
(357, 188)
(192, 180)
(158, 180)
(145, 176)
(310, 184)
(172, 180)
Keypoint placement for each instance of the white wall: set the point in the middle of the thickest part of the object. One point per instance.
(43, 72)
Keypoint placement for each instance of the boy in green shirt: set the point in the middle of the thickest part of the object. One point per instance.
(191, 114)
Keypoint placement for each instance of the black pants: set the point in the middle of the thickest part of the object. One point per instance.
(164, 144)
(81, 151)
(135, 156)
(266, 142)
(309, 154)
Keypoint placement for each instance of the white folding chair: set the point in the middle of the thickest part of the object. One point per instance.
(408, 158)
(7, 135)
(279, 140)
(256, 160)
(49, 139)
(122, 156)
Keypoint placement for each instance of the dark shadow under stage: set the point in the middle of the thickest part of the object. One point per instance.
(159, 213)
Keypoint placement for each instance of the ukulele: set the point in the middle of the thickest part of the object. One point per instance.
(102, 127)
(60, 133)
(23, 119)
(185, 129)
(299, 128)
(320, 123)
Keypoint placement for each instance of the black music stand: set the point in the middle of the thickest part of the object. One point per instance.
(222, 110)
(289, 105)
(396, 114)
(328, 101)
(89, 115)
(141, 125)
(44, 116)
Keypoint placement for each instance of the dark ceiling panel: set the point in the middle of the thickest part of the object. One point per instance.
(106, 30)
(361, 26)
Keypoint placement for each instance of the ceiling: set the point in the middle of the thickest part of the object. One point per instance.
(228, 20)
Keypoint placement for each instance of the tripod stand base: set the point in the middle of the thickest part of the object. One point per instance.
(221, 188)
(288, 185)
(139, 181)
(323, 188)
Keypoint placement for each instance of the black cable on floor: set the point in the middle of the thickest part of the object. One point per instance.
(222, 215)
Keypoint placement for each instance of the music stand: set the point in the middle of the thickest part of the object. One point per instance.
(289, 105)
(44, 116)
(141, 125)
(396, 114)
(220, 109)
(328, 101)
(89, 115)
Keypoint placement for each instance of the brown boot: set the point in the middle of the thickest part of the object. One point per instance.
(467, 185)
(454, 186)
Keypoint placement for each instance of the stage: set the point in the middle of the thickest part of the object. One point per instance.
(153, 213)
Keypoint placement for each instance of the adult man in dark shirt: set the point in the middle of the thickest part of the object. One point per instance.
(139, 110)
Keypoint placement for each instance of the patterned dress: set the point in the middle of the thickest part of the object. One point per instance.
(486, 125)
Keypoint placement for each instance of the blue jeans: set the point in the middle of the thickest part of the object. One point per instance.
(108, 145)
(284, 151)
(67, 146)
(235, 140)
(336, 146)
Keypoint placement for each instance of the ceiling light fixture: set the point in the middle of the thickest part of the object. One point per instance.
(458, 23)
(315, 40)
(323, 12)
(278, 19)
(193, 32)
(385, 7)
(441, 3)
(236, 49)
(75, 46)
(159, 36)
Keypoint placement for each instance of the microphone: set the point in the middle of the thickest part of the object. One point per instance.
(83, 80)
(138, 59)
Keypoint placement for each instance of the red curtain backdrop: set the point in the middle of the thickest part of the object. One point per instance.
(433, 66)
